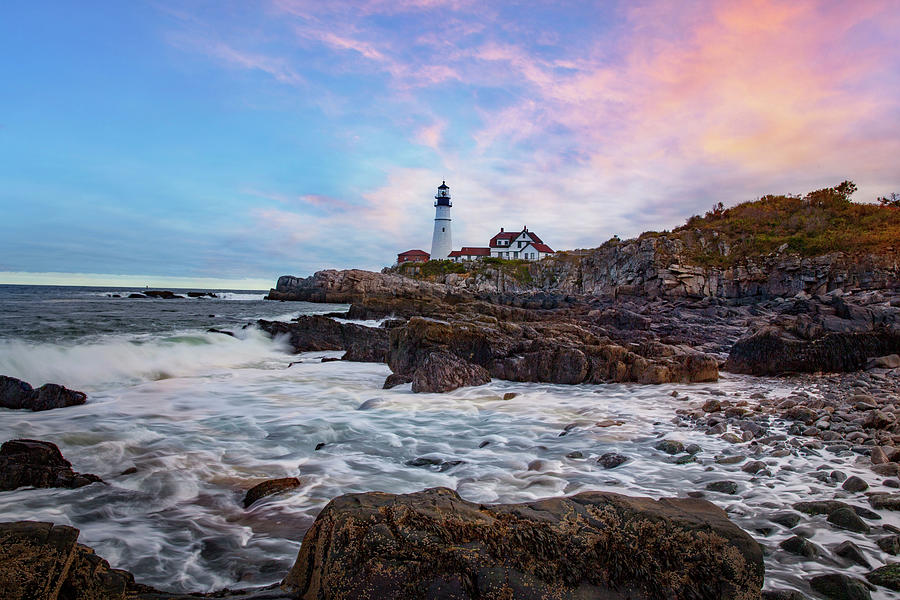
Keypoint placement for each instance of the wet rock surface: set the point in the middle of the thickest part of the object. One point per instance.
(433, 544)
(34, 463)
(317, 332)
(15, 393)
(269, 488)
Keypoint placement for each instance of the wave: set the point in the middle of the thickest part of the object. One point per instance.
(132, 359)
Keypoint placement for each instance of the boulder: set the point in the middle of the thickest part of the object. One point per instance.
(593, 545)
(840, 587)
(43, 561)
(444, 372)
(269, 488)
(887, 576)
(15, 393)
(33, 463)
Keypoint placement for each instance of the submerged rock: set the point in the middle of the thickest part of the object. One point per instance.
(269, 488)
(15, 393)
(434, 544)
(887, 576)
(33, 463)
(840, 587)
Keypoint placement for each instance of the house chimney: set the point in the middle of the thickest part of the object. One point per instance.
(501, 230)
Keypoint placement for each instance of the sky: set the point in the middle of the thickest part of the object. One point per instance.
(233, 141)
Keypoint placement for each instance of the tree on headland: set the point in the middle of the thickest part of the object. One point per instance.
(892, 201)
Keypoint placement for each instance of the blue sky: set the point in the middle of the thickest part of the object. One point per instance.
(237, 141)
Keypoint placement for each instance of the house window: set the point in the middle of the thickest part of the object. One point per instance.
(443, 229)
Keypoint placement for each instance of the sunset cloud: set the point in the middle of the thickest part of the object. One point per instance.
(316, 132)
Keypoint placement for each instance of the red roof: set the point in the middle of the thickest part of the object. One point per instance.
(414, 253)
(454, 254)
(543, 248)
(472, 251)
(511, 235)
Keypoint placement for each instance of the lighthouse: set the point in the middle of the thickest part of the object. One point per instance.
(441, 242)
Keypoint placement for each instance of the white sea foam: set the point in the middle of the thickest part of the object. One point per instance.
(131, 359)
(230, 413)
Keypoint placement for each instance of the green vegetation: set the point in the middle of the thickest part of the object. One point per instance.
(435, 269)
(823, 221)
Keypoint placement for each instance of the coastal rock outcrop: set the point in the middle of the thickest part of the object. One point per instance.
(593, 545)
(811, 335)
(316, 332)
(34, 463)
(552, 351)
(43, 561)
(15, 393)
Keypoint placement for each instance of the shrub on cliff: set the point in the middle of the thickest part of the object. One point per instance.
(820, 222)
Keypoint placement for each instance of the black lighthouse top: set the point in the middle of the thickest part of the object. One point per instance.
(443, 195)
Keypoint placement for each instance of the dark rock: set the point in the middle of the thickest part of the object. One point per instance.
(669, 446)
(393, 380)
(773, 351)
(43, 561)
(885, 501)
(787, 519)
(855, 484)
(129, 471)
(611, 460)
(164, 294)
(15, 393)
(268, 488)
(137, 296)
(887, 576)
(441, 464)
(33, 463)
(840, 587)
(509, 395)
(754, 467)
(319, 446)
(852, 552)
(445, 372)
(712, 406)
(782, 595)
(544, 351)
(201, 295)
(51, 395)
(800, 546)
(890, 544)
(824, 507)
(316, 333)
(723, 487)
(433, 544)
(222, 331)
(846, 518)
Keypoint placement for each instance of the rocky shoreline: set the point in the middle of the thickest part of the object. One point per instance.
(437, 337)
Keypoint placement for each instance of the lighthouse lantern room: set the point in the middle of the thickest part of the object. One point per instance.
(441, 241)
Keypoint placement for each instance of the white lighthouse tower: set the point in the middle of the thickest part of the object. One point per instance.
(441, 242)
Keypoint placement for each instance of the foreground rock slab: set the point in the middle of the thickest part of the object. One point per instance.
(433, 544)
(41, 561)
(34, 463)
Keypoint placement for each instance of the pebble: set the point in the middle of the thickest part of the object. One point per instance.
(851, 552)
(723, 487)
(611, 460)
(846, 518)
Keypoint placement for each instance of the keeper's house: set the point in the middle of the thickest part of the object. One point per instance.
(412, 256)
(519, 245)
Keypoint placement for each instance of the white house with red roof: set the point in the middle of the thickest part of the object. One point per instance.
(412, 256)
(523, 244)
(510, 245)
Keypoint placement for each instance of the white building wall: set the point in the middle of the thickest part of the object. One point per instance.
(441, 240)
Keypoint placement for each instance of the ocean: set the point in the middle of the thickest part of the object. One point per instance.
(196, 418)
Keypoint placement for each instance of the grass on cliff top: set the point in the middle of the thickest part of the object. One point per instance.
(435, 269)
(820, 222)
